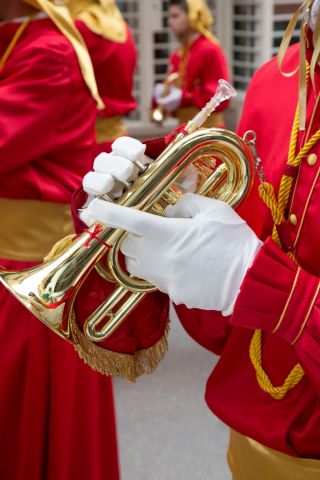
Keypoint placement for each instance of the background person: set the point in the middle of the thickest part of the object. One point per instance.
(113, 53)
(199, 62)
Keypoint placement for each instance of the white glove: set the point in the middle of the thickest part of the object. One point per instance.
(172, 101)
(158, 91)
(199, 256)
(112, 170)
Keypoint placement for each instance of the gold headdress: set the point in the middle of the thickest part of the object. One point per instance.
(201, 19)
(302, 67)
(63, 20)
(101, 16)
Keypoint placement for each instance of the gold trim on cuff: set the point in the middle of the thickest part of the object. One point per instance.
(287, 302)
(307, 316)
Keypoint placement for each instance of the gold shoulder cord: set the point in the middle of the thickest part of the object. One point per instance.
(277, 208)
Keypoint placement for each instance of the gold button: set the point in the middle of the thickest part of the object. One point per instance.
(293, 219)
(312, 159)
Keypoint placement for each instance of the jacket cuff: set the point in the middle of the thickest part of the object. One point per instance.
(276, 295)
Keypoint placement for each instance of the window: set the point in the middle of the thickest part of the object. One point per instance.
(257, 30)
(250, 32)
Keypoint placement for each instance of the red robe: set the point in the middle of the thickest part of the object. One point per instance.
(57, 418)
(273, 287)
(200, 69)
(114, 65)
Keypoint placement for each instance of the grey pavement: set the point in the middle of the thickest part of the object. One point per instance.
(165, 429)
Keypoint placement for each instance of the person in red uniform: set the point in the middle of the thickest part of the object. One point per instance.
(113, 53)
(265, 279)
(199, 62)
(57, 417)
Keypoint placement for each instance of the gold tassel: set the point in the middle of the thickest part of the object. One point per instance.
(124, 365)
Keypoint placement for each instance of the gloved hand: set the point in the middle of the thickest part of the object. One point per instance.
(198, 254)
(158, 90)
(172, 101)
(112, 170)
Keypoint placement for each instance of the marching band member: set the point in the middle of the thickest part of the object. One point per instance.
(199, 62)
(113, 53)
(247, 287)
(57, 418)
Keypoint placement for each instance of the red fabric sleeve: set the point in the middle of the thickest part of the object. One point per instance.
(286, 301)
(23, 110)
(209, 329)
(213, 67)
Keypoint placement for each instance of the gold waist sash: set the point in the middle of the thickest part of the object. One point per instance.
(109, 128)
(29, 228)
(185, 114)
(249, 460)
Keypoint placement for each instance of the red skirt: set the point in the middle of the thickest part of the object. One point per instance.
(56, 414)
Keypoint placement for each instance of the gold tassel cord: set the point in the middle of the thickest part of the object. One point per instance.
(277, 208)
(278, 393)
(59, 247)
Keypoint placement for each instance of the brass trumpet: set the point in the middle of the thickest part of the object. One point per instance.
(225, 163)
(158, 114)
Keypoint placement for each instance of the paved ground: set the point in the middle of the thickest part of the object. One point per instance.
(166, 431)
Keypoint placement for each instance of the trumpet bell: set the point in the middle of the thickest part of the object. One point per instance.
(24, 287)
(157, 116)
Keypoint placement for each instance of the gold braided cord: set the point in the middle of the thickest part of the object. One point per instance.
(59, 247)
(277, 208)
(278, 393)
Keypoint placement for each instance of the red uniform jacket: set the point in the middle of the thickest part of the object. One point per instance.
(57, 418)
(273, 288)
(114, 65)
(200, 72)
(45, 144)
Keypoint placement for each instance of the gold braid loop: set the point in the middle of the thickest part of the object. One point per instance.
(277, 208)
(278, 393)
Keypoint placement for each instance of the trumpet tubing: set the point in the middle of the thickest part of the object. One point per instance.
(225, 163)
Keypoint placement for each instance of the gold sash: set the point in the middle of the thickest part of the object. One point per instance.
(249, 460)
(109, 128)
(29, 228)
(184, 114)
